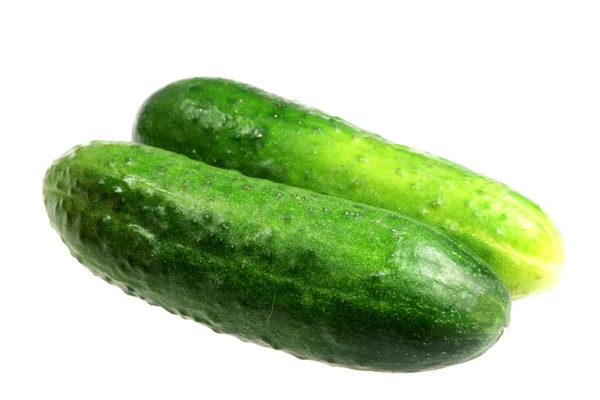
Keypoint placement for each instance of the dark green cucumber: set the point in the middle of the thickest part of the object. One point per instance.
(236, 126)
(320, 277)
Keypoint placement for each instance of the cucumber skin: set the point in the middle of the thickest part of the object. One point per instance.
(319, 277)
(237, 126)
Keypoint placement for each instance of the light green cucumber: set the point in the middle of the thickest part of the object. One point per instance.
(237, 126)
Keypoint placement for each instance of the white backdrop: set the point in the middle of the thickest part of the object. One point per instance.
(510, 89)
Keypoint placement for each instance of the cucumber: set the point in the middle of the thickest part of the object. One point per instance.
(237, 126)
(319, 277)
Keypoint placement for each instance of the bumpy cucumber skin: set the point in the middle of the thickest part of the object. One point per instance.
(233, 125)
(319, 277)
